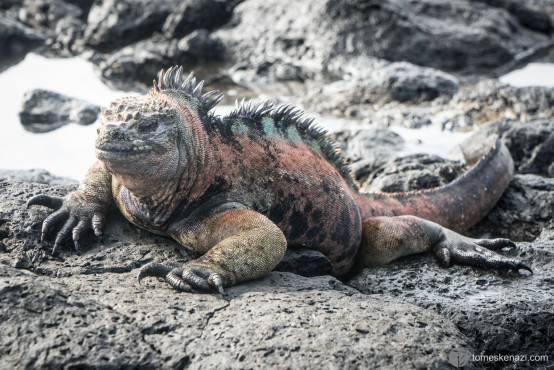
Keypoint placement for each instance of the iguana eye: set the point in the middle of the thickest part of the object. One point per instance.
(148, 126)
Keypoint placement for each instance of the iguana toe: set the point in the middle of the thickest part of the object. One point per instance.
(46, 201)
(496, 244)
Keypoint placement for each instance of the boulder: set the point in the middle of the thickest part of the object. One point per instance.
(369, 148)
(16, 40)
(113, 24)
(491, 100)
(135, 66)
(44, 111)
(449, 35)
(191, 15)
(531, 143)
(523, 212)
(413, 172)
(62, 22)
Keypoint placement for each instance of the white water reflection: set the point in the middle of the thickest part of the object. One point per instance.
(533, 74)
(68, 151)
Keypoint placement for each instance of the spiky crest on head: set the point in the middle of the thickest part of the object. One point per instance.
(173, 79)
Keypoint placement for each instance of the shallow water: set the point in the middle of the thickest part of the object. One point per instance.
(69, 151)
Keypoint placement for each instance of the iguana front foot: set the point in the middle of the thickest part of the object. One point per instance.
(189, 277)
(475, 252)
(76, 214)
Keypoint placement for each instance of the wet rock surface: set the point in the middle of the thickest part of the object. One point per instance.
(45, 111)
(88, 309)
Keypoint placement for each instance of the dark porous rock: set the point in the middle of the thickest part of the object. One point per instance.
(532, 17)
(531, 143)
(45, 111)
(16, 40)
(372, 84)
(191, 15)
(305, 262)
(369, 148)
(413, 172)
(87, 309)
(491, 100)
(35, 175)
(135, 66)
(116, 23)
(62, 22)
(448, 35)
(503, 314)
(523, 212)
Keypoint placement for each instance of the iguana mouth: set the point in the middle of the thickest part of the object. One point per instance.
(121, 152)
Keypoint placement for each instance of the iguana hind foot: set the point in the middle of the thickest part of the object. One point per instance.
(387, 238)
(476, 252)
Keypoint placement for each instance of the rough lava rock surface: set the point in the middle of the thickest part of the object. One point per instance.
(88, 309)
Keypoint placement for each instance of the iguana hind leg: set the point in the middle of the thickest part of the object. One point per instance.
(387, 238)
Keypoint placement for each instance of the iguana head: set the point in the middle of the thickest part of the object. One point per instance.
(150, 140)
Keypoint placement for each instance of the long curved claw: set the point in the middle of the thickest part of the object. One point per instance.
(496, 244)
(98, 222)
(444, 256)
(64, 232)
(50, 221)
(154, 269)
(77, 231)
(216, 281)
(46, 201)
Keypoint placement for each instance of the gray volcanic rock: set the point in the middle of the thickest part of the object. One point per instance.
(116, 23)
(35, 175)
(534, 15)
(191, 15)
(88, 309)
(16, 40)
(449, 35)
(491, 100)
(413, 172)
(525, 210)
(44, 111)
(502, 314)
(531, 143)
(369, 148)
(62, 22)
(135, 66)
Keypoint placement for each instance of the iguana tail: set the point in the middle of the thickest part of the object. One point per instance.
(457, 205)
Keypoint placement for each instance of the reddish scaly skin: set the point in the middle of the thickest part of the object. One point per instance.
(241, 189)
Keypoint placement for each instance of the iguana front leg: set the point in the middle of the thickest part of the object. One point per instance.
(387, 238)
(239, 245)
(79, 210)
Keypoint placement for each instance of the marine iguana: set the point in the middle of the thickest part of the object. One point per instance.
(241, 188)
